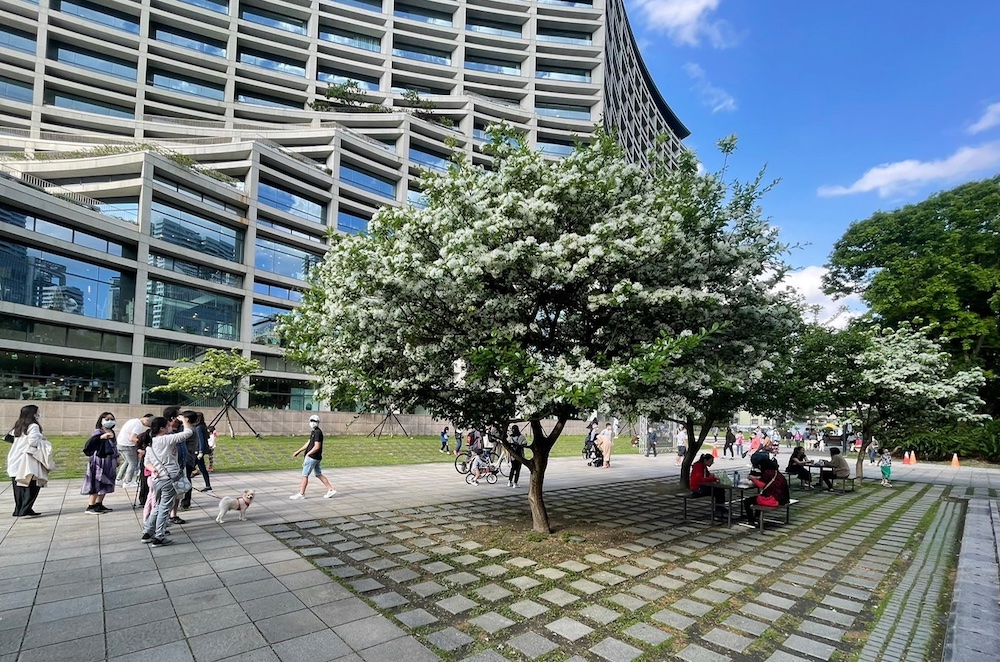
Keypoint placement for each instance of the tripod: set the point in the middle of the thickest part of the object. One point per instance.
(380, 428)
(226, 408)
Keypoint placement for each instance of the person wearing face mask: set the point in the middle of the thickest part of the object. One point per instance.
(102, 462)
(313, 450)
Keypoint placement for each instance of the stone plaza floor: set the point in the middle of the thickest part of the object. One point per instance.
(394, 569)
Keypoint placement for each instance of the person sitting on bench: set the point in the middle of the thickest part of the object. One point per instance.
(702, 480)
(834, 468)
(773, 491)
(798, 466)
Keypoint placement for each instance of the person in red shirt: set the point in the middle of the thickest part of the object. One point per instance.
(702, 481)
(773, 491)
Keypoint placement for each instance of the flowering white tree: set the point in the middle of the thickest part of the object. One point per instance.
(889, 381)
(535, 290)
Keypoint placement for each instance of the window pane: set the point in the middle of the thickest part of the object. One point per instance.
(73, 102)
(16, 39)
(265, 324)
(368, 181)
(103, 15)
(16, 90)
(195, 270)
(185, 39)
(351, 223)
(187, 85)
(273, 19)
(291, 203)
(275, 393)
(349, 38)
(213, 5)
(35, 376)
(192, 310)
(282, 259)
(93, 61)
(197, 233)
(267, 61)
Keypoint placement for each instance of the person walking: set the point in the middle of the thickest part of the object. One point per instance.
(164, 469)
(444, 440)
(202, 449)
(872, 451)
(606, 440)
(102, 460)
(730, 443)
(517, 443)
(130, 470)
(885, 464)
(29, 460)
(312, 452)
(739, 444)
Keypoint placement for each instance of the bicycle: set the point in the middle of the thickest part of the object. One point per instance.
(490, 476)
(463, 461)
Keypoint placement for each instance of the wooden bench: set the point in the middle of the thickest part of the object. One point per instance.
(760, 510)
(790, 475)
(844, 481)
(685, 496)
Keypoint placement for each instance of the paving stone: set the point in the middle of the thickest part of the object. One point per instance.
(528, 608)
(596, 559)
(647, 634)
(425, 589)
(492, 622)
(382, 564)
(493, 592)
(695, 653)
(532, 645)
(775, 601)
(586, 586)
(402, 575)
(414, 557)
(821, 630)
(673, 619)
(742, 577)
(613, 650)
(365, 585)
(486, 656)
(668, 583)
(600, 614)
(606, 578)
(726, 586)
(466, 559)
(703, 568)
(524, 583)
(559, 597)
(573, 566)
(690, 575)
(627, 601)
(782, 656)
(647, 592)
(615, 553)
(461, 578)
(761, 612)
(388, 600)
(691, 607)
(789, 589)
(492, 570)
(809, 646)
(416, 618)
(443, 550)
(708, 595)
(647, 562)
(630, 570)
(437, 567)
(744, 624)
(550, 573)
(842, 604)
(726, 639)
(495, 552)
(832, 616)
(457, 604)
(569, 628)
(449, 639)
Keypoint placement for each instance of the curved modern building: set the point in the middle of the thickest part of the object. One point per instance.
(170, 168)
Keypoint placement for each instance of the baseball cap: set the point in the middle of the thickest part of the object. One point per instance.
(314, 417)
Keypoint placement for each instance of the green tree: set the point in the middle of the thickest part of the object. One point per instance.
(534, 291)
(937, 261)
(219, 375)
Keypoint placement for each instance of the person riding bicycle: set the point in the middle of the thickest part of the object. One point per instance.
(480, 464)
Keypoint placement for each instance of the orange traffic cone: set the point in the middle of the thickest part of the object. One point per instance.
(715, 451)
(906, 457)
(954, 461)
(913, 457)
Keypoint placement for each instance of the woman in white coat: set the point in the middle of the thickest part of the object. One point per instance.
(29, 461)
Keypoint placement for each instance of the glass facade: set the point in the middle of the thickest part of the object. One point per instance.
(265, 324)
(87, 59)
(563, 111)
(565, 74)
(105, 16)
(351, 223)
(336, 77)
(284, 260)
(429, 159)
(186, 39)
(197, 233)
(44, 377)
(171, 351)
(56, 230)
(274, 393)
(374, 183)
(202, 272)
(422, 54)
(277, 291)
(16, 39)
(57, 335)
(422, 14)
(16, 90)
(73, 102)
(272, 19)
(349, 38)
(285, 229)
(291, 203)
(493, 66)
(255, 99)
(211, 5)
(192, 310)
(485, 26)
(185, 85)
(268, 61)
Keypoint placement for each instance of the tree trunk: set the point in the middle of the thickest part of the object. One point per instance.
(694, 447)
(541, 446)
(859, 468)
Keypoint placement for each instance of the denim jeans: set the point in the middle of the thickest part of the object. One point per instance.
(129, 470)
(163, 488)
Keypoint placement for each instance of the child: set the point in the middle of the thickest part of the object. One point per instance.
(885, 462)
(444, 440)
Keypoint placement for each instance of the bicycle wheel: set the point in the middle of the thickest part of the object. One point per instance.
(468, 478)
(503, 466)
(463, 462)
(491, 478)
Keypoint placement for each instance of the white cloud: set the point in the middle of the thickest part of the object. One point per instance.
(990, 119)
(893, 178)
(688, 21)
(808, 282)
(714, 97)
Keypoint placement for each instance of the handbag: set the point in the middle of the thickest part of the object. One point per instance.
(181, 483)
(9, 437)
(769, 501)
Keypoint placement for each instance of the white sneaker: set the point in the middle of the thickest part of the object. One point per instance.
(329, 494)
(297, 496)
(514, 485)
(131, 483)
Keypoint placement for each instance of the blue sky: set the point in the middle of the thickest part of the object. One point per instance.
(855, 105)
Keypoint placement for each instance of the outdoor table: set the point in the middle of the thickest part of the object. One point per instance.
(743, 486)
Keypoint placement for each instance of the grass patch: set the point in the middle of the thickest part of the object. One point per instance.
(275, 453)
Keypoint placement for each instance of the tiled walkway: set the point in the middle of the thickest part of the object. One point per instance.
(416, 584)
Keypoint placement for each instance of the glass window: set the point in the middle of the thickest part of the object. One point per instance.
(265, 324)
(416, 198)
(126, 209)
(171, 351)
(194, 270)
(26, 330)
(198, 195)
(492, 65)
(284, 260)
(151, 379)
(277, 291)
(186, 39)
(565, 111)
(351, 223)
(41, 377)
(564, 73)
(16, 39)
(291, 203)
(556, 149)
(295, 232)
(16, 90)
(98, 14)
(422, 54)
(277, 363)
(14, 216)
(38, 278)
(564, 36)
(349, 38)
(493, 27)
(429, 159)
(337, 77)
(272, 19)
(187, 85)
(197, 233)
(291, 394)
(212, 5)
(265, 100)
(87, 59)
(374, 183)
(191, 310)
(370, 5)
(566, 3)
(268, 61)
(73, 102)
(422, 14)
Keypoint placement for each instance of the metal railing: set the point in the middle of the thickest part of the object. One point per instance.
(51, 189)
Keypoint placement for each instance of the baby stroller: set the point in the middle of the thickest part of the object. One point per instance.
(592, 453)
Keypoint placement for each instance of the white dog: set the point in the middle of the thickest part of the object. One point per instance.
(240, 504)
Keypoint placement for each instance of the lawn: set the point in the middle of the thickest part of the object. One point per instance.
(275, 453)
